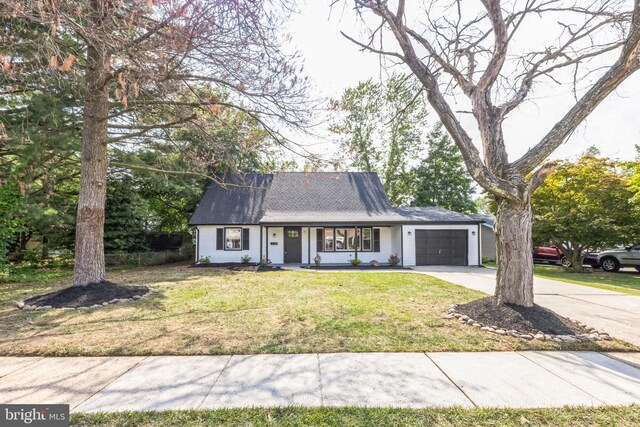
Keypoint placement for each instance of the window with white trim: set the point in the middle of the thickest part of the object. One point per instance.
(329, 240)
(233, 239)
(367, 239)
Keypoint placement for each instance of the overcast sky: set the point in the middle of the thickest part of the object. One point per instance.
(334, 63)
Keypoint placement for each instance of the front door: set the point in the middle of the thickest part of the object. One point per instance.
(292, 245)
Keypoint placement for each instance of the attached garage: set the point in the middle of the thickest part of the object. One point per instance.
(442, 247)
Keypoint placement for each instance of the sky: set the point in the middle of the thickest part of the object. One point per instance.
(333, 63)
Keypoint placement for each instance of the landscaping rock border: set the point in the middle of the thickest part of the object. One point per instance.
(22, 306)
(592, 335)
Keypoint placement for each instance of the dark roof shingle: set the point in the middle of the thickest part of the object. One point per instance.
(308, 197)
(241, 202)
(432, 214)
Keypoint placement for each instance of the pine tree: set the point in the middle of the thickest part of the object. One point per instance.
(441, 178)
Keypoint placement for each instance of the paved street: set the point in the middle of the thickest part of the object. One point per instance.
(415, 380)
(613, 312)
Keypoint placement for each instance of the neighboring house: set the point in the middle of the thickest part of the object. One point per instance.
(487, 236)
(290, 217)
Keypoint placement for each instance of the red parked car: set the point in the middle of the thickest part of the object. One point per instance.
(549, 254)
(553, 255)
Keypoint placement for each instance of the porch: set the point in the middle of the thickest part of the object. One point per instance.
(336, 244)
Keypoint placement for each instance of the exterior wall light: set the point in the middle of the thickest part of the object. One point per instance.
(409, 232)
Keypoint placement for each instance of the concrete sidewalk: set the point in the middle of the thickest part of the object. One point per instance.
(613, 312)
(415, 380)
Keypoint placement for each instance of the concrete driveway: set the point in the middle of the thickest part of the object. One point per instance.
(613, 312)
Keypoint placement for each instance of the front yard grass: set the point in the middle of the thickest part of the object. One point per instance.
(626, 281)
(559, 417)
(216, 311)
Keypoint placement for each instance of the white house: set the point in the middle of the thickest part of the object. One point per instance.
(290, 217)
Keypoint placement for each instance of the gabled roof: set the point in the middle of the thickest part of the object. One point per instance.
(240, 202)
(326, 196)
(307, 198)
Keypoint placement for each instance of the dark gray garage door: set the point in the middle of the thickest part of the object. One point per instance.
(441, 247)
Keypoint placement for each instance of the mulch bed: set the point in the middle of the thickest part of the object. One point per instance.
(257, 268)
(523, 319)
(354, 267)
(86, 296)
(221, 264)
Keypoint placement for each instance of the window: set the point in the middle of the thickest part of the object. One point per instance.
(352, 240)
(366, 239)
(292, 233)
(232, 239)
(346, 239)
(328, 240)
(341, 239)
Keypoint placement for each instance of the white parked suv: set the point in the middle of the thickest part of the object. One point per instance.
(614, 259)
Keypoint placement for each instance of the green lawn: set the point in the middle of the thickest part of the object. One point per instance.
(216, 311)
(626, 281)
(339, 417)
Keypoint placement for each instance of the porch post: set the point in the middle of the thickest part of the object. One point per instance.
(479, 245)
(260, 243)
(402, 245)
(309, 245)
(356, 241)
(267, 248)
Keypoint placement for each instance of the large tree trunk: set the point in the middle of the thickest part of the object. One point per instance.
(514, 256)
(89, 248)
(576, 257)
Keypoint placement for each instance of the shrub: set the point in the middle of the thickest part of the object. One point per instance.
(317, 259)
(355, 261)
(394, 259)
(265, 261)
(246, 259)
(204, 260)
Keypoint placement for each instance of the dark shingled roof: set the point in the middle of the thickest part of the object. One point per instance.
(308, 197)
(326, 196)
(241, 202)
(489, 220)
(432, 214)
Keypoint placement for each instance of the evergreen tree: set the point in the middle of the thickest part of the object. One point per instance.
(441, 178)
(124, 225)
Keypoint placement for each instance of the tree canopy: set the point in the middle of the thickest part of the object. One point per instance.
(380, 128)
(586, 205)
(139, 70)
(441, 178)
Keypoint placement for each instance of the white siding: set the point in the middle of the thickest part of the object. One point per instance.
(409, 241)
(207, 245)
(276, 244)
(396, 240)
(391, 240)
(488, 239)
